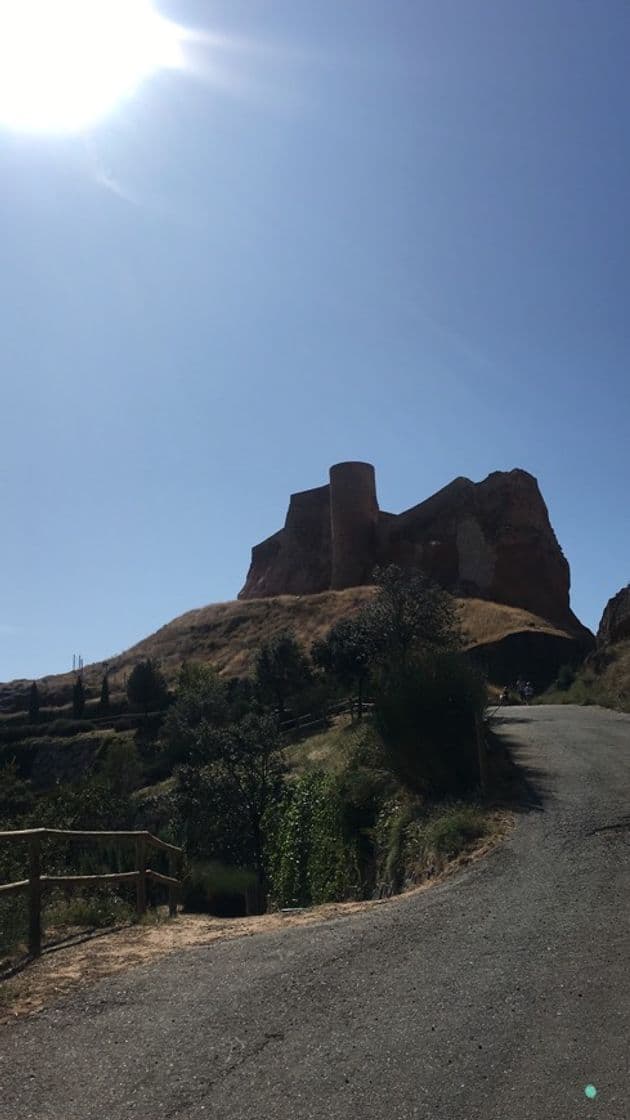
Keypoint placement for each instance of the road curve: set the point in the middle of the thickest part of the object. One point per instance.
(501, 993)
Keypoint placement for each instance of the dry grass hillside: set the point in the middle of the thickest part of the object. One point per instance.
(228, 634)
(603, 679)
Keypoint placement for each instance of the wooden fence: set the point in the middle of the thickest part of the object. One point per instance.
(36, 882)
(300, 725)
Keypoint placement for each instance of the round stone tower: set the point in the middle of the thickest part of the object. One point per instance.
(353, 523)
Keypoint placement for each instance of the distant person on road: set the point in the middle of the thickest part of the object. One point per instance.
(520, 688)
(528, 692)
(504, 697)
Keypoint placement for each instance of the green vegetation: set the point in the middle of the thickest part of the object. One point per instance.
(346, 654)
(104, 701)
(603, 679)
(33, 703)
(212, 888)
(78, 698)
(146, 687)
(282, 670)
(311, 853)
(102, 908)
(362, 807)
(427, 715)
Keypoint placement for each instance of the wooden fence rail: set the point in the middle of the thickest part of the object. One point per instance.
(309, 722)
(36, 881)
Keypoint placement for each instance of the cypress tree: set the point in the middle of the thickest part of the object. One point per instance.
(33, 703)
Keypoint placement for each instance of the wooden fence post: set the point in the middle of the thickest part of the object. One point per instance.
(172, 891)
(141, 868)
(35, 897)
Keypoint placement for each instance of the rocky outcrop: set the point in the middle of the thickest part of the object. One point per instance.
(491, 540)
(615, 623)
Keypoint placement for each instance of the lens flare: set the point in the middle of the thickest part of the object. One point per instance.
(65, 64)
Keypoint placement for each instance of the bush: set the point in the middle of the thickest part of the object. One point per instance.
(389, 837)
(413, 840)
(202, 703)
(281, 670)
(98, 909)
(433, 841)
(311, 858)
(566, 677)
(146, 687)
(213, 888)
(426, 716)
(13, 925)
(446, 834)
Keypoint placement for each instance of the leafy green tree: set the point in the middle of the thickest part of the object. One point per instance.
(202, 704)
(311, 857)
(427, 715)
(121, 769)
(146, 687)
(89, 804)
(222, 805)
(281, 670)
(408, 614)
(33, 703)
(78, 698)
(104, 701)
(16, 796)
(347, 653)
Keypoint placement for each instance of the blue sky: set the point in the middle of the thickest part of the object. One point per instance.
(391, 231)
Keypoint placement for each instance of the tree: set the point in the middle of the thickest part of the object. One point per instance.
(146, 687)
(121, 770)
(16, 796)
(223, 804)
(281, 670)
(78, 698)
(428, 716)
(201, 704)
(409, 613)
(347, 652)
(104, 702)
(33, 703)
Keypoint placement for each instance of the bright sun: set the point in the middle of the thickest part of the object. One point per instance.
(66, 63)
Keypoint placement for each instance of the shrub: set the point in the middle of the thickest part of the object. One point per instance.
(33, 703)
(78, 698)
(389, 836)
(426, 716)
(120, 768)
(310, 855)
(566, 677)
(146, 687)
(211, 887)
(432, 841)
(98, 909)
(281, 670)
(202, 703)
(447, 833)
(221, 806)
(13, 924)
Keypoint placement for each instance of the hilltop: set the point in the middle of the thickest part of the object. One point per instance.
(228, 635)
(489, 540)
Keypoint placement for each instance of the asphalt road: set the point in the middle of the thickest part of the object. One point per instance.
(500, 994)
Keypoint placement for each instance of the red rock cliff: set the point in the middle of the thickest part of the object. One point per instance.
(491, 539)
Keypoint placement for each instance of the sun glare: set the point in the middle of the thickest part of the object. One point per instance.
(64, 64)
